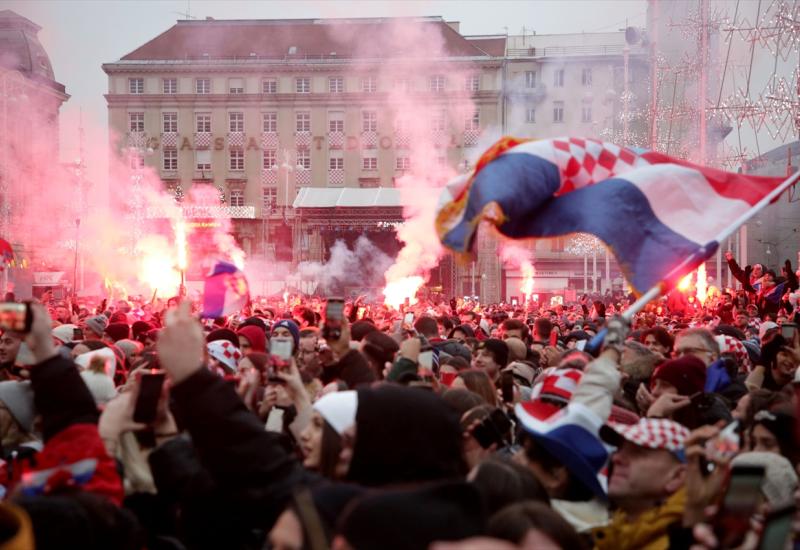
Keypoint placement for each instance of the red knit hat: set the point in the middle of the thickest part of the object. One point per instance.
(687, 373)
(256, 336)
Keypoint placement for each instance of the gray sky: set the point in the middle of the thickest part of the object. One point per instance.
(81, 35)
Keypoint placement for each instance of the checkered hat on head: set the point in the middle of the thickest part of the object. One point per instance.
(733, 346)
(226, 353)
(650, 433)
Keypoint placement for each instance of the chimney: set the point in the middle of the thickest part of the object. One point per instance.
(455, 25)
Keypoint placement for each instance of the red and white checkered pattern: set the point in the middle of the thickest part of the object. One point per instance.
(558, 384)
(654, 433)
(269, 177)
(137, 139)
(235, 139)
(169, 139)
(335, 140)
(733, 346)
(369, 140)
(302, 177)
(202, 140)
(402, 141)
(440, 138)
(225, 352)
(587, 161)
(302, 139)
(471, 137)
(336, 177)
(269, 140)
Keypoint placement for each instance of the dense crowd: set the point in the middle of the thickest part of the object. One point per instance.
(447, 425)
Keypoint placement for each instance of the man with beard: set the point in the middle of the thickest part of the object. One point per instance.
(9, 348)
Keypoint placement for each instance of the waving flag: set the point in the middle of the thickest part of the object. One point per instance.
(660, 216)
(225, 291)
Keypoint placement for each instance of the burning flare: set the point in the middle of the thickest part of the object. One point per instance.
(396, 292)
(685, 283)
(527, 285)
(702, 283)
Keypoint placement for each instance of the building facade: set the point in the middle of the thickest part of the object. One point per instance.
(264, 109)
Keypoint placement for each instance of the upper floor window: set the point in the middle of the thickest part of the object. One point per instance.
(530, 115)
(436, 83)
(530, 79)
(336, 121)
(473, 122)
(269, 122)
(270, 159)
(473, 83)
(237, 198)
(369, 84)
(136, 85)
(586, 112)
(304, 159)
(169, 122)
(236, 160)
(558, 78)
(303, 122)
(170, 159)
(336, 84)
(403, 84)
(203, 122)
(302, 85)
(136, 122)
(369, 121)
(558, 111)
(170, 85)
(202, 86)
(236, 122)
(586, 77)
(236, 85)
(269, 86)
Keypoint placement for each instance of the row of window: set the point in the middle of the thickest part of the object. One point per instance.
(558, 113)
(302, 85)
(531, 78)
(269, 122)
(369, 160)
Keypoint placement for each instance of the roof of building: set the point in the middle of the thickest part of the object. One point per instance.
(492, 45)
(20, 49)
(367, 38)
(347, 197)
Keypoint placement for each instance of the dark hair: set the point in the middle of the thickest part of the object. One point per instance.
(456, 362)
(502, 482)
(461, 400)
(515, 521)
(478, 382)
(427, 326)
(575, 490)
(543, 327)
(379, 348)
(661, 335)
(94, 345)
(446, 322)
(516, 324)
(307, 315)
(466, 329)
(331, 447)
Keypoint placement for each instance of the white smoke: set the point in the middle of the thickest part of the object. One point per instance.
(363, 266)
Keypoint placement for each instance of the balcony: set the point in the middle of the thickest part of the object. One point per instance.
(336, 177)
(203, 176)
(402, 140)
(302, 177)
(212, 212)
(269, 176)
(235, 140)
(336, 140)
(203, 140)
(302, 140)
(440, 138)
(169, 139)
(137, 140)
(269, 140)
(369, 139)
(471, 137)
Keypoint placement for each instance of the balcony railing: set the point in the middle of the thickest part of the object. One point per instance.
(336, 176)
(235, 140)
(302, 139)
(336, 140)
(213, 212)
(402, 140)
(203, 140)
(560, 51)
(302, 176)
(471, 137)
(169, 139)
(269, 140)
(137, 139)
(269, 176)
(369, 139)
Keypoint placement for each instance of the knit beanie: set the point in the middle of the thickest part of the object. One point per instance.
(256, 337)
(687, 374)
(292, 327)
(118, 331)
(97, 324)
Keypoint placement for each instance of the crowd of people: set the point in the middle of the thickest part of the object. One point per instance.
(445, 425)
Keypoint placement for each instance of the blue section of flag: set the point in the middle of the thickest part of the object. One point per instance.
(226, 291)
(614, 210)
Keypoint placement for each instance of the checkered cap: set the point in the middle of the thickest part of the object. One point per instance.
(225, 352)
(652, 433)
(733, 346)
(558, 384)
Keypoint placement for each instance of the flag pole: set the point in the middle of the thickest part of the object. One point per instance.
(657, 289)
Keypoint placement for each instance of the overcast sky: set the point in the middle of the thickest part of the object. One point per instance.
(81, 35)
